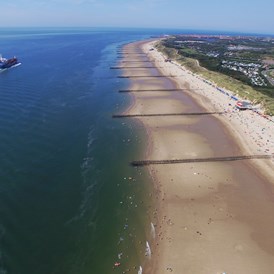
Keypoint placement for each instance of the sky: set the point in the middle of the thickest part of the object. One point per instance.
(250, 16)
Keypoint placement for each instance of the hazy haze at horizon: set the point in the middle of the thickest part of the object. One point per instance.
(242, 16)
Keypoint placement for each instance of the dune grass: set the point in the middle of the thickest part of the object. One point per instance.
(240, 89)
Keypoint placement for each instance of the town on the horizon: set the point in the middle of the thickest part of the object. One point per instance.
(242, 64)
(249, 59)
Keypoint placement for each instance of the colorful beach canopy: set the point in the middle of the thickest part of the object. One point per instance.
(243, 105)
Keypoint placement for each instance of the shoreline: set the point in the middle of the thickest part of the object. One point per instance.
(209, 97)
(203, 220)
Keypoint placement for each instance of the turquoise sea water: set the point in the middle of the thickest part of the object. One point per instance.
(69, 200)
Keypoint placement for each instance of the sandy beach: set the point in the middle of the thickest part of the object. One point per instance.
(211, 217)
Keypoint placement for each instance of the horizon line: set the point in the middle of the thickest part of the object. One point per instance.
(196, 30)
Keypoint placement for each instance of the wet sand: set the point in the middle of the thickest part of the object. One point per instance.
(211, 217)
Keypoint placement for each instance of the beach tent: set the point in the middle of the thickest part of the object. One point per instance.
(242, 105)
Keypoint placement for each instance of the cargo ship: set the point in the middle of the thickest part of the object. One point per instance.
(8, 63)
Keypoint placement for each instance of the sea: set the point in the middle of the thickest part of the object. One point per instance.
(70, 202)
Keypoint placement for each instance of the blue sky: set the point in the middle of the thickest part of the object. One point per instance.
(234, 15)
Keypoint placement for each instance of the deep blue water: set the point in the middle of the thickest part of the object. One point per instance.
(69, 200)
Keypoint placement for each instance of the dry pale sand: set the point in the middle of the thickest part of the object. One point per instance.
(211, 217)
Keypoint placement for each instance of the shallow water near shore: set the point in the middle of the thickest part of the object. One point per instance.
(69, 200)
